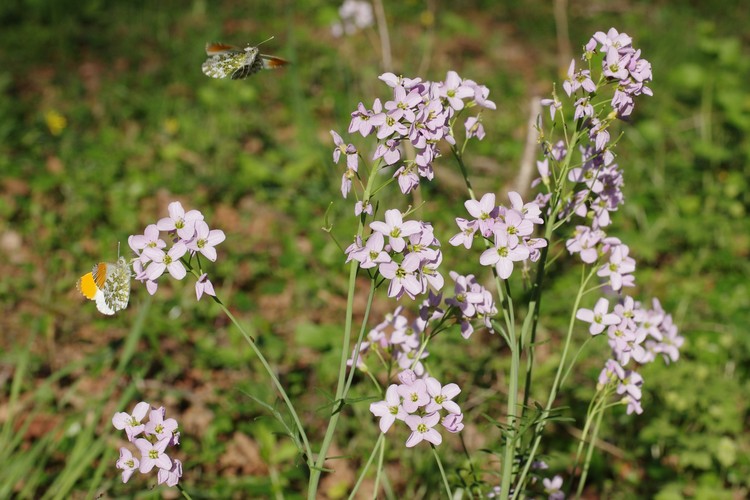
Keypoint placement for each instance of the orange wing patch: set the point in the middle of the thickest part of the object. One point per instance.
(87, 286)
(273, 61)
(213, 48)
(100, 274)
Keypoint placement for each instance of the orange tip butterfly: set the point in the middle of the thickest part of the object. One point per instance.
(108, 284)
(237, 63)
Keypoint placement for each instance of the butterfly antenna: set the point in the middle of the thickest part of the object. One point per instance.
(264, 41)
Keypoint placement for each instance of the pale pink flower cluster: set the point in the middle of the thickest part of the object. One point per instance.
(409, 258)
(509, 229)
(422, 113)
(190, 236)
(156, 435)
(634, 333)
(592, 244)
(399, 339)
(355, 15)
(422, 404)
(471, 301)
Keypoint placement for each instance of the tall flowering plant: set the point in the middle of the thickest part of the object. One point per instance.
(578, 192)
(579, 185)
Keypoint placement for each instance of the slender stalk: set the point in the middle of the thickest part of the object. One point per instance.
(510, 440)
(589, 453)
(251, 341)
(555, 386)
(379, 443)
(341, 385)
(442, 471)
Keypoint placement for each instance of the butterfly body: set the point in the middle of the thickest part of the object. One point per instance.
(226, 60)
(108, 284)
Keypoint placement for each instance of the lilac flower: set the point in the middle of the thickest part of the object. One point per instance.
(455, 91)
(169, 261)
(355, 15)
(403, 104)
(611, 372)
(474, 128)
(430, 275)
(453, 422)
(389, 151)
(554, 106)
(514, 226)
(612, 39)
(179, 221)
(152, 455)
(531, 211)
(413, 395)
(363, 206)
(204, 285)
(481, 92)
(503, 254)
(598, 317)
(389, 409)
(631, 385)
(172, 476)
(403, 277)
(205, 240)
(442, 396)
(149, 238)
(585, 241)
(140, 275)
(484, 211)
(372, 253)
(396, 229)
(618, 267)
(634, 405)
(159, 427)
(553, 488)
(466, 236)
(131, 422)
(423, 429)
(407, 377)
(128, 463)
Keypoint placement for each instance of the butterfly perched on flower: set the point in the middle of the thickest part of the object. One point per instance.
(108, 284)
(237, 63)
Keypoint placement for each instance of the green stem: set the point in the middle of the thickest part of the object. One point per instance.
(589, 453)
(378, 444)
(555, 386)
(341, 385)
(251, 341)
(442, 471)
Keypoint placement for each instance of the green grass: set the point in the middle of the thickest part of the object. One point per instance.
(143, 126)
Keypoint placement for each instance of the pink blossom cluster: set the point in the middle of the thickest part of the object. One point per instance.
(355, 15)
(633, 332)
(397, 339)
(409, 259)
(509, 229)
(422, 113)
(422, 404)
(190, 235)
(157, 435)
(592, 244)
(622, 64)
(471, 301)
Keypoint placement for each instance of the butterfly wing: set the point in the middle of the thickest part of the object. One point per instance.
(116, 290)
(272, 62)
(214, 48)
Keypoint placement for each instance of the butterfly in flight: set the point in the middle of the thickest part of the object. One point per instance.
(108, 284)
(226, 60)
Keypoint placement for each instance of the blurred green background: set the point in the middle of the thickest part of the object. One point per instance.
(106, 117)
